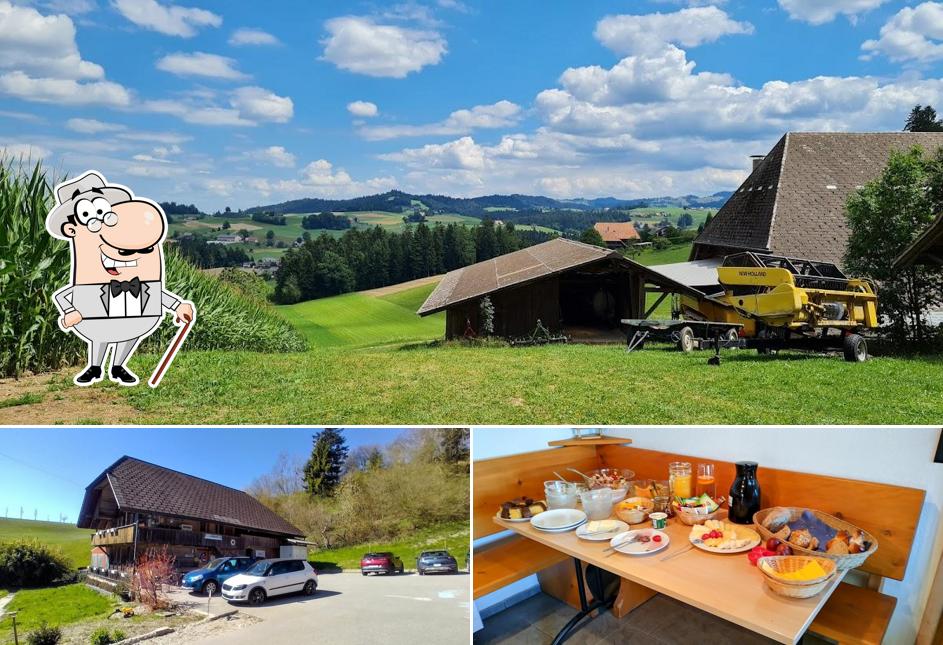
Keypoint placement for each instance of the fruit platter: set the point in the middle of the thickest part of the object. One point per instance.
(718, 536)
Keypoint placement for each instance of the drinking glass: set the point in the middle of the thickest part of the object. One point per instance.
(679, 474)
(560, 494)
(705, 480)
(597, 504)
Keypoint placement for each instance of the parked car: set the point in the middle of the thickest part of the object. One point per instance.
(380, 562)
(436, 562)
(210, 578)
(272, 577)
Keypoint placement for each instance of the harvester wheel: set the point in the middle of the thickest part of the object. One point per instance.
(855, 348)
(732, 335)
(686, 339)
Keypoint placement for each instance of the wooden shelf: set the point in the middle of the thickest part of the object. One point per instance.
(597, 441)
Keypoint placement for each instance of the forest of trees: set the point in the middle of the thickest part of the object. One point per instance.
(269, 218)
(205, 255)
(326, 220)
(370, 258)
(173, 208)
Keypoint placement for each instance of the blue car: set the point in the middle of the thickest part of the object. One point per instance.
(210, 579)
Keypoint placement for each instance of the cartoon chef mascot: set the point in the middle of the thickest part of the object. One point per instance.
(116, 296)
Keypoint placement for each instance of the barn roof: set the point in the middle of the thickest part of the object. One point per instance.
(793, 203)
(616, 231)
(926, 249)
(527, 265)
(140, 486)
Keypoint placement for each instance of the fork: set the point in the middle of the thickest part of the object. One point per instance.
(613, 547)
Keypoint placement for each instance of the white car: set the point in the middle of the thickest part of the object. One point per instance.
(268, 578)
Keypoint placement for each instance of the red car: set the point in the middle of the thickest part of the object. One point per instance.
(381, 562)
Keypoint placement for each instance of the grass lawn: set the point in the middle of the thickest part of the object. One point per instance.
(56, 606)
(357, 320)
(651, 257)
(453, 536)
(74, 542)
(653, 214)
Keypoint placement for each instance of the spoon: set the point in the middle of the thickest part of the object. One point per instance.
(560, 477)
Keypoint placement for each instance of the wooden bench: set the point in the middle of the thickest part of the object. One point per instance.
(497, 480)
(852, 615)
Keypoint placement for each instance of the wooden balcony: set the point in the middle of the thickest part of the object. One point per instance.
(176, 537)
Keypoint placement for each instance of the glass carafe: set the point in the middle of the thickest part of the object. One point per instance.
(744, 493)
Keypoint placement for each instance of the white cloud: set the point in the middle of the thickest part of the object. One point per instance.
(171, 20)
(150, 159)
(318, 178)
(363, 109)
(360, 45)
(690, 27)
(275, 155)
(92, 126)
(913, 33)
(246, 36)
(262, 104)
(70, 7)
(818, 12)
(42, 45)
(198, 115)
(166, 138)
(200, 64)
(63, 91)
(496, 115)
(23, 150)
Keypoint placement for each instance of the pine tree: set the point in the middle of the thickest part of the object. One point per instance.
(323, 471)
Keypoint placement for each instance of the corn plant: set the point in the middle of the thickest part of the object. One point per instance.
(33, 265)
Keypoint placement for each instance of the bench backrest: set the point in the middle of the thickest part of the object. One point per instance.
(888, 512)
(503, 478)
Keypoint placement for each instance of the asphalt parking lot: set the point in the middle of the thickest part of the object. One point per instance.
(350, 608)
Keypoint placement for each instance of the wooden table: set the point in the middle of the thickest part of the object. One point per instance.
(725, 585)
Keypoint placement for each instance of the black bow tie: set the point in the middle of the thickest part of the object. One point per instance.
(120, 286)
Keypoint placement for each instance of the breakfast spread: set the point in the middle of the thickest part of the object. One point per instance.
(521, 508)
(809, 532)
(723, 536)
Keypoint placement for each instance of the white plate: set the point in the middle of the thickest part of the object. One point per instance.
(640, 548)
(582, 531)
(713, 549)
(558, 519)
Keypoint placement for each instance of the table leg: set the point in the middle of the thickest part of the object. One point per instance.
(586, 607)
(631, 595)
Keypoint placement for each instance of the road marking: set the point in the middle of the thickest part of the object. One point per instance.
(420, 598)
(448, 594)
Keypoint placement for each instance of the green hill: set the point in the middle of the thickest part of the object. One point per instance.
(362, 320)
(453, 536)
(74, 542)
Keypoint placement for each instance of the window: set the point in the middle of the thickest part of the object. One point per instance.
(296, 565)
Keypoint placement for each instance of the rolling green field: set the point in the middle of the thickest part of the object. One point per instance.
(655, 214)
(454, 537)
(651, 257)
(74, 542)
(359, 320)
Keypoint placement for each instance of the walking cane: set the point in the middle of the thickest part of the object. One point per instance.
(170, 353)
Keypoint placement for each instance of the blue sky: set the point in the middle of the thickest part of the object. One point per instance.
(47, 469)
(224, 104)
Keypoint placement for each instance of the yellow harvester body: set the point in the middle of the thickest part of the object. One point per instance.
(775, 297)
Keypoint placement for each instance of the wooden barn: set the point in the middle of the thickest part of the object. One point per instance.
(569, 286)
(927, 249)
(135, 505)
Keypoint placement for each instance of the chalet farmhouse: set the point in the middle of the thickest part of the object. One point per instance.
(569, 286)
(793, 203)
(135, 505)
(617, 235)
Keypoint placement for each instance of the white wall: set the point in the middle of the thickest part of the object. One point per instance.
(900, 456)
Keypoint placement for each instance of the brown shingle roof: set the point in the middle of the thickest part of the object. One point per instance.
(140, 486)
(793, 203)
(616, 231)
(520, 267)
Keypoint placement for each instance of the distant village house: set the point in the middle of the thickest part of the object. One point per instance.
(617, 235)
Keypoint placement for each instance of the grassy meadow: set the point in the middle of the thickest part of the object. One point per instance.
(56, 606)
(75, 543)
(454, 537)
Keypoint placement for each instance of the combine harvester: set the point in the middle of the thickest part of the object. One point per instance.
(770, 303)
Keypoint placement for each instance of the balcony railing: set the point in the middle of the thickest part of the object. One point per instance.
(177, 537)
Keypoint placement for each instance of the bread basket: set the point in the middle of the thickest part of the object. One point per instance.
(842, 561)
(795, 588)
(692, 516)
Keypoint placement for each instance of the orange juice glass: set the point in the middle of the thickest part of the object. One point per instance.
(705, 480)
(679, 474)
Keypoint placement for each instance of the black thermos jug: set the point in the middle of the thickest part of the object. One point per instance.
(744, 493)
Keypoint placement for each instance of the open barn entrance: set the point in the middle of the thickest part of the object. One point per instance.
(592, 302)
